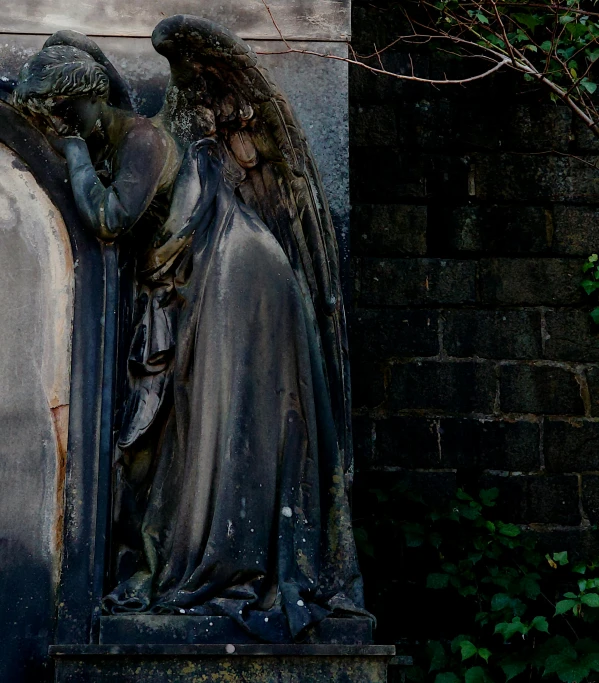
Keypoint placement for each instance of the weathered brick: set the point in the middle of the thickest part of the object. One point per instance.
(571, 335)
(404, 282)
(499, 230)
(584, 138)
(406, 442)
(581, 543)
(447, 177)
(576, 230)
(429, 124)
(527, 281)
(365, 86)
(590, 497)
(373, 124)
(537, 499)
(538, 128)
(381, 334)
(451, 387)
(571, 446)
(389, 229)
(492, 334)
(363, 440)
(532, 178)
(520, 177)
(490, 444)
(368, 384)
(539, 389)
(382, 175)
(592, 377)
(435, 488)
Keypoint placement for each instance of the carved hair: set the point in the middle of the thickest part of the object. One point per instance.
(59, 71)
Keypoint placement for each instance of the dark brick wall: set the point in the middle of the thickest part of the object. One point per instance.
(474, 359)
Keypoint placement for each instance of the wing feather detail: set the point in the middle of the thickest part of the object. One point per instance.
(217, 80)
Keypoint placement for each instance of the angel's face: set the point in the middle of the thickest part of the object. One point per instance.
(74, 115)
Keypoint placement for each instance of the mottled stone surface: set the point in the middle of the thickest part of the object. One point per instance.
(223, 664)
(36, 280)
(146, 629)
(308, 19)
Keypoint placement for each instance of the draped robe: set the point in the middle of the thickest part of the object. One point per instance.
(230, 491)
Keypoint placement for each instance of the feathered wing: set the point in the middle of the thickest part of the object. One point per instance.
(218, 88)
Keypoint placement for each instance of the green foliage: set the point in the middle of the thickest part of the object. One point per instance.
(551, 43)
(590, 284)
(519, 612)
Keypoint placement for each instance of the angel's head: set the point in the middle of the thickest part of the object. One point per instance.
(65, 88)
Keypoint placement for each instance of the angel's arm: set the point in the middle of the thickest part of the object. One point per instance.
(110, 211)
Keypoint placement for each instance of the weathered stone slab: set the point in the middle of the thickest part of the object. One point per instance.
(36, 279)
(157, 629)
(304, 20)
(223, 663)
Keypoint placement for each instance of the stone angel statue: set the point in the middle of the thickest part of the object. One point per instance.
(234, 449)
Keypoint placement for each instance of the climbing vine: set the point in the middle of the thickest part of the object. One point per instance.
(518, 612)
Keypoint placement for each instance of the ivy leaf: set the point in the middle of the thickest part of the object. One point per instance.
(484, 653)
(571, 595)
(593, 258)
(561, 558)
(447, 677)
(489, 496)
(590, 660)
(456, 643)
(530, 586)
(595, 315)
(437, 581)
(477, 674)
(465, 591)
(414, 534)
(512, 667)
(437, 655)
(449, 568)
(589, 86)
(508, 630)
(564, 606)
(468, 649)
(566, 666)
(590, 599)
(589, 286)
(510, 530)
(540, 623)
(500, 601)
(531, 21)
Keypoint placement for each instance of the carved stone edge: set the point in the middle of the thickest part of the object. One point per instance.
(248, 650)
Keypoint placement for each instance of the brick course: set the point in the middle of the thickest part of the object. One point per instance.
(473, 354)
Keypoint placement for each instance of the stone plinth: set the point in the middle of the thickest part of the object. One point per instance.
(222, 663)
(154, 629)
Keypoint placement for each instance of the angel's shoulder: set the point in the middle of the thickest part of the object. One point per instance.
(143, 143)
(139, 132)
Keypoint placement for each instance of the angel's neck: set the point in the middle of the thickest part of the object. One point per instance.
(114, 123)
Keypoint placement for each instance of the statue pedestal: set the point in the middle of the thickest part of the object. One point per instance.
(154, 629)
(222, 663)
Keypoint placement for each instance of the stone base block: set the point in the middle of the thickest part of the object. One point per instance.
(154, 629)
(222, 663)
